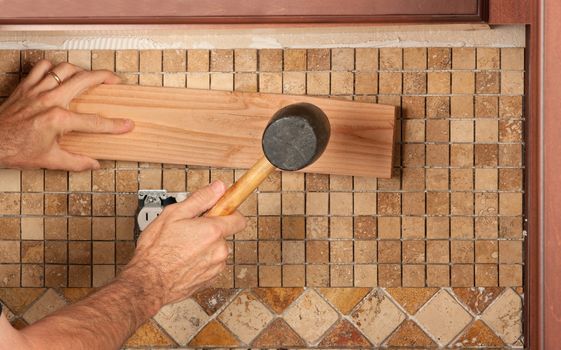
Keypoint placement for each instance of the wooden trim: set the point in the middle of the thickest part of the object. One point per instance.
(242, 11)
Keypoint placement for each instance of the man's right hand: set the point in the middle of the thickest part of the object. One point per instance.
(181, 252)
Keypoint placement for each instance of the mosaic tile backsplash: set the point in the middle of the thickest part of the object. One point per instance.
(431, 257)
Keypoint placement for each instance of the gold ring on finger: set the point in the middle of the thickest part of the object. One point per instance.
(55, 77)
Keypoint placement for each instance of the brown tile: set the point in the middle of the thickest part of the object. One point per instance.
(293, 275)
(318, 83)
(32, 180)
(342, 83)
(32, 275)
(56, 252)
(245, 276)
(510, 252)
(486, 275)
(389, 203)
(413, 130)
(317, 252)
(79, 252)
(487, 82)
(79, 275)
(8, 84)
(461, 106)
(270, 276)
(10, 61)
(126, 204)
(214, 334)
(79, 228)
(278, 299)
(318, 59)
(413, 276)
(341, 275)
(269, 227)
(477, 299)
(293, 203)
(437, 155)
(437, 203)
(411, 106)
(174, 61)
(389, 227)
(512, 83)
(343, 335)
(245, 252)
(486, 106)
(413, 203)
(510, 107)
(462, 275)
(364, 227)
(438, 251)
(389, 275)
(246, 82)
(438, 275)
(478, 334)
(278, 334)
(317, 203)
(439, 58)
(413, 251)
(32, 251)
(510, 275)
(413, 227)
(438, 227)
(103, 253)
(389, 251)
(510, 204)
(103, 59)
(149, 334)
(510, 155)
(295, 60)
(32, 203)
(55, 276)
(409, 334)
(80, 204)
(55, 204)
(438, 106)
(488, 58)
(270, 60)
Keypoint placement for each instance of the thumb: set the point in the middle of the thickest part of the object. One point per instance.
(202, 200)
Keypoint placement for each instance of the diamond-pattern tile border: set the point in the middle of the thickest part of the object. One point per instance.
(308, 317)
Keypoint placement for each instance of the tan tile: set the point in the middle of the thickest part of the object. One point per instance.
(512, 58)
(46, 304)
(486, 130)
(461, 106)
(81, 58)
(463, 58)
(443, 317)
(391, 58)
(486, 107)
(294, 83)
(182, 320)
(510, 275)
(342, 83)
(32, 275)
(439, 58)
(310, 316)
(126, 61)
(342, 59)
(293, 275)
(10, 61)
(486, 275)
(389, 83)
(295, 60)
(246, 317)
(270, 60)
(463, 82)
(245, 276)
(377, 317)
(278, 334)
(150, 61)
(410, 334)
(366, 59)
(510, 107)
(10, 180)
(318, 59)
(488, 58)
(504, 316)
(278, 299)
(198, 60)
(32, 228)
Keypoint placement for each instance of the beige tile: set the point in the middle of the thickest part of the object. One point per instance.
(377, 317)
(310, 316)
(10, 180)
(182, 320)
(246, 317)
(32, 228)
(46, 304)
(504, 316)
(443, 317)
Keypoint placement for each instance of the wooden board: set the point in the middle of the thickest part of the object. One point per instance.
(223, 129)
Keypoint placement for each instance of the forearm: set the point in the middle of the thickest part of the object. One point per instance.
(104, 320)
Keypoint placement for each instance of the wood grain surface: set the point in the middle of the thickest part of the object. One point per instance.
(223, 129)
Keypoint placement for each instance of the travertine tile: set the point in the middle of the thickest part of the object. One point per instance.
(310, 316)
(443, 317)
(344, 334)
(246, 317)
(182, 320)
(504, 316)
(410, 334)
(369, 315)
(278, 334)
(46, 304)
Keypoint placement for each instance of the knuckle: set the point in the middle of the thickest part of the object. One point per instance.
(215, 230)
(65, 65)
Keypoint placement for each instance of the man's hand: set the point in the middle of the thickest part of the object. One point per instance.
(181, 252)
(35, 116)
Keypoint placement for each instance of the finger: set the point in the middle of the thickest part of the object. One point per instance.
(62, 160)
(37, 73)
(63, 70)
(92, 123)
(201, 200)
(227, 225)
(84, 80)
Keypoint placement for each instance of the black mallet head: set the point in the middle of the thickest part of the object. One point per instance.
(296, 136)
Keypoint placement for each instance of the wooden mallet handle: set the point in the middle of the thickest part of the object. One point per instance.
(241, 189)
